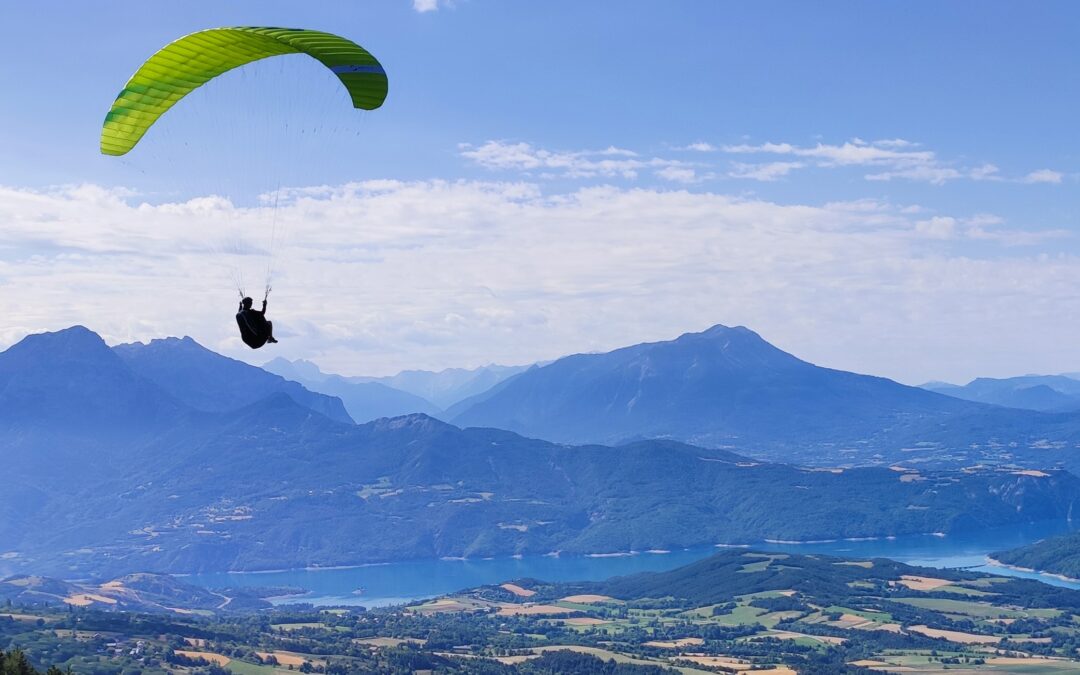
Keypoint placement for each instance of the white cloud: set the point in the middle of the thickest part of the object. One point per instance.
(895, 143)
(612, 151)
(678, 174)
(894, 158)
(764, 172)
(856, 152)
(1042, 176)
(425, 5)
(938, 227)
(610, 162)
(885, 160)
(936, 175)
(384, 275)
(985, 172)
(983, 227)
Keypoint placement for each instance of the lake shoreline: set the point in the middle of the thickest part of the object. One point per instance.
(809, 542)
(562, 554)
(422, 578)
(994, 562)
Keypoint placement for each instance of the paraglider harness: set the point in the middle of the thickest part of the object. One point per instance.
(255, 330)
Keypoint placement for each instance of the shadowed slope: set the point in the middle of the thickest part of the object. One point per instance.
(211, 382)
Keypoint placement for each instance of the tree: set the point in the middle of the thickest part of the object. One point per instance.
(15, 663)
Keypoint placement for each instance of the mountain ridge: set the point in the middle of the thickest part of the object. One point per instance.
(275, 484)
(728, 387)
(210, 382)
(364, 400)
(1044, 393)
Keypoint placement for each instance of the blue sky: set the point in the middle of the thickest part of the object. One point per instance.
(885, 187)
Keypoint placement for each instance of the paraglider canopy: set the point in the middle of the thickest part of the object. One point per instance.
(186, 64)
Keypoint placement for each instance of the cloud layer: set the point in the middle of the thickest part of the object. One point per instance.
(881, 160)
(887, 159)
(610, 162)
(378, 276)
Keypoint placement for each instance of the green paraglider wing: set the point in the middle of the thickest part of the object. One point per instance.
(186, 64)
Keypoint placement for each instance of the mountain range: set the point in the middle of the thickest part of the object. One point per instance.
(445, 388)
(1047, 393)
(410, 391)
(115, 463)
(729, 388)
(207, 381)
(365, 400)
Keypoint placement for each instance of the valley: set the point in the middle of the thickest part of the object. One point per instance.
(735, 611)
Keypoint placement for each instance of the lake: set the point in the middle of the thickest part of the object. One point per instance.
(393, 583)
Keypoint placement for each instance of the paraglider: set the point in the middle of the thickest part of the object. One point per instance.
(255, 330)
(186, 64)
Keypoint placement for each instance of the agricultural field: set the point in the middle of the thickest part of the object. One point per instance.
(735, 612)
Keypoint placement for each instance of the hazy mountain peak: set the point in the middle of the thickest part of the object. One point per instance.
(299, 370)
(206, 380)
(449, 386)
(719, 348)
(72, 379)
(60, 351)
(166, 343)
(365, 398)
(186, 341)
(730, 338)
(78, 330)
(934, 385)
(721, 329)
(720, 386)
(1047, 393)
(66, 341)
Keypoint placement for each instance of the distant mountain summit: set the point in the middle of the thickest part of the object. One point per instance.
(729, 387)
(447, 387)
(439, 390)
(210, 382)
(1047, 393)
(65, 397)
(69, 381)
(365, 400)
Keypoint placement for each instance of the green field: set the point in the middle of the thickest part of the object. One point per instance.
(880, 617)
(245, 668)
(297, 625)
(980, 610)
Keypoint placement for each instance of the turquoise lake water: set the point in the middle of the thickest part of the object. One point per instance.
(378, 585)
